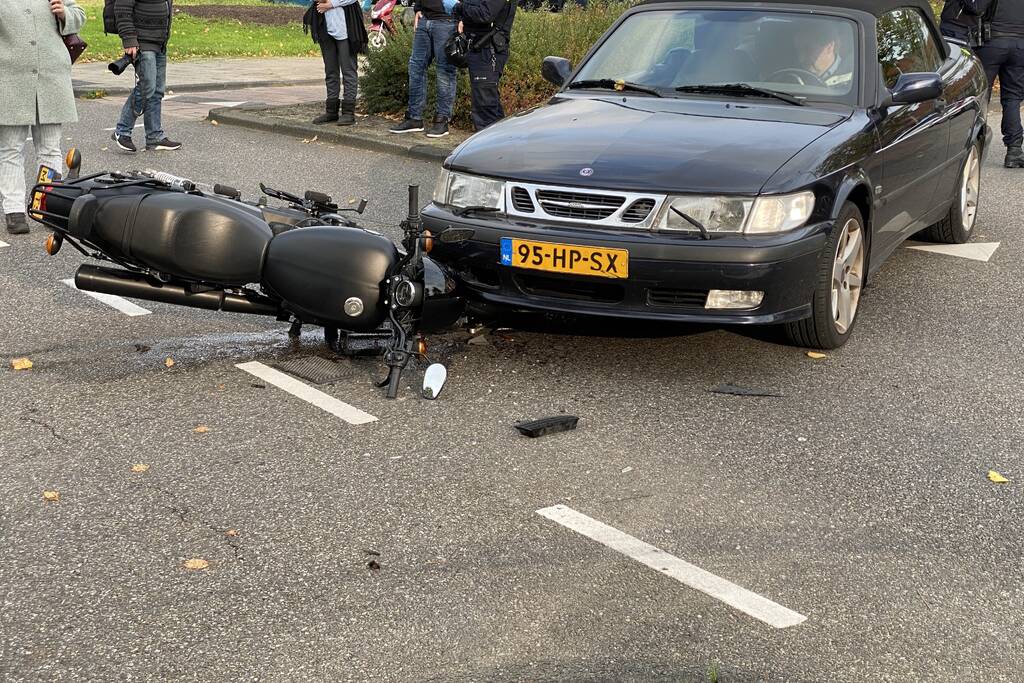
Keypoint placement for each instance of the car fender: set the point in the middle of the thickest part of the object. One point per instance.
(856, 187)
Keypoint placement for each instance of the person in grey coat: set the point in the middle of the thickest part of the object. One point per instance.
(35, 92)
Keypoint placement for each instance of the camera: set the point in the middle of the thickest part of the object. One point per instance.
(117, 67)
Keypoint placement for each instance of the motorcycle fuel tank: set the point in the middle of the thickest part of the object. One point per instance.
(331, 275)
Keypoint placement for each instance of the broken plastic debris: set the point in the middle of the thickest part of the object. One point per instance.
(996, 478)
(736, 390)
(374, 565)
(547, 425)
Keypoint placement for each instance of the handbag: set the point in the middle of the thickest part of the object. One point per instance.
(75, 45)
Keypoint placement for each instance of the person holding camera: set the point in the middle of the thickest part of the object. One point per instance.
(488, 26)
(35, 92)
(431, 31)
(144, 27)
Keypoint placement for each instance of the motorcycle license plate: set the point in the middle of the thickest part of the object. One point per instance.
(573, 259)
(45, 175)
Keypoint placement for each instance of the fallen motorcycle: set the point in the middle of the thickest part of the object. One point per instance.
(303, 262)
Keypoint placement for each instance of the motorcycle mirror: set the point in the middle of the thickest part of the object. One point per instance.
(433, 380)
(73, 160)
(453, 235)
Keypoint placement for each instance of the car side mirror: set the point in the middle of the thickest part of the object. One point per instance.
(556, 70)
(914, 88)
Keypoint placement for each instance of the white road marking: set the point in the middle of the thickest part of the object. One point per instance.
(745, 601)
(348, 413)
(222, 104)
(137, 125)
(112, 300)
(3, 244)
(975, 251)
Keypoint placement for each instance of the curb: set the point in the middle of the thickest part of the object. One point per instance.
(238, 116)
(81, 88)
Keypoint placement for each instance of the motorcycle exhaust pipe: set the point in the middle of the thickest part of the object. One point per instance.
(138, 286)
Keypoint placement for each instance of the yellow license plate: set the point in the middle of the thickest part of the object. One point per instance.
(574, 259)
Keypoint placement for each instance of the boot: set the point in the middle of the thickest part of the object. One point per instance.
(330, 111)
(17, 224)
(1014, 157)
(348, 113)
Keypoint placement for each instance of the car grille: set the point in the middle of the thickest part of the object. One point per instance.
(521, 200)
(600, 208)
(677, 298)
(638, 211)
(571, 288)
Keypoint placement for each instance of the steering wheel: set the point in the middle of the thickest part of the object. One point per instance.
(799, 75)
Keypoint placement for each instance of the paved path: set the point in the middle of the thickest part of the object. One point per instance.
(206, 74)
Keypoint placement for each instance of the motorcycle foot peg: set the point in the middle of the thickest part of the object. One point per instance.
(295, 331)
(331, 338)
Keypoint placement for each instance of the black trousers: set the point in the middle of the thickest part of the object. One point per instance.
(1004, 57)
(340, 67)
(485, 69)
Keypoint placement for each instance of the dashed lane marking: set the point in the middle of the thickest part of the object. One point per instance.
(975, 251)
(348, 413)
(112, 300)
(748, 602)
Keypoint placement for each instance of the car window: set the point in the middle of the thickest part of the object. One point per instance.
(808, 55)
(906, 44)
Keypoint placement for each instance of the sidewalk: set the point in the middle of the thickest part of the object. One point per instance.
(205, 74)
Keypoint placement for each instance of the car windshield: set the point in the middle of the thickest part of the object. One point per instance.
(810, 56)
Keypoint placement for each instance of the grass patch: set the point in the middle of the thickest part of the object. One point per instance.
(194, 38)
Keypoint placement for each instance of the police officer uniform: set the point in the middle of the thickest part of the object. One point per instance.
(1003, 55)
(959, 18)
(488, 25)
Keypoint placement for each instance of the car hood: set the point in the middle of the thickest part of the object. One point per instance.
(646, 144)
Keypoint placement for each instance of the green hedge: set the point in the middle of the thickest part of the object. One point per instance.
(535, 35)
(384, 86)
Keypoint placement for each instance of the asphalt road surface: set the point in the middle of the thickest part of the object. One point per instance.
(858, 501)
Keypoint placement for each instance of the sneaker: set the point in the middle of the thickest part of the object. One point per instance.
(124, 142)
(164, 145)
(17, 224)
(408, 126)
(1014, 158)
(439, 129)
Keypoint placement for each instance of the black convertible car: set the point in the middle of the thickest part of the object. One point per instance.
(724, 162)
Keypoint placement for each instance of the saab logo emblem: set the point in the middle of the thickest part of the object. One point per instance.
(586, 172)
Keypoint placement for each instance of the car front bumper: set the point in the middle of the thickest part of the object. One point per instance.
(669, 275)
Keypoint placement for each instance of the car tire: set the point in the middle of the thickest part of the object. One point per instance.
(957, 226)
(842, 269)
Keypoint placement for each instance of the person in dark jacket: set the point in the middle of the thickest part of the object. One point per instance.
(337, 27)
(488, 25)
(144, 27)
(1003, 56)
(433, 27)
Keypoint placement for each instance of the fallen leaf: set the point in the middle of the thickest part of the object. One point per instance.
(104, 149)
(214, 122)
(627, 470)
(21, 364)
(816, 355)
(140, 467)
(231, 532)
(201, 429)
(220, 387)
(51, 496)
(996, 478)
(196, 563)
(169, 362)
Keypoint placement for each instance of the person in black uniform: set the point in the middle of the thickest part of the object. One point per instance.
(1003, 56)
(488, 25)
(959, 17)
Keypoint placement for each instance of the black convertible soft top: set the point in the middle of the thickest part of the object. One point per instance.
(875, 7)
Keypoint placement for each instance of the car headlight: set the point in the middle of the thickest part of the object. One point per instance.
(761, 215)
(462, 190)
(780, 213)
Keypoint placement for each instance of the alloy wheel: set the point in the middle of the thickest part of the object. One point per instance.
(969, 186)
(847, 275)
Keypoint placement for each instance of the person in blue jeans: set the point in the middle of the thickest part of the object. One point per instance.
(144, 27)
(434, 26)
